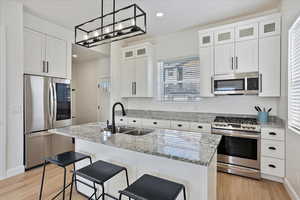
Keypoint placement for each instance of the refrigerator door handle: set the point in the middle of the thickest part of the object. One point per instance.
(54, 104)
(51, 104)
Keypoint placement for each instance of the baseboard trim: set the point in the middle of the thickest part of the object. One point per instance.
(272, 178)
(15, 171)
(289, 188)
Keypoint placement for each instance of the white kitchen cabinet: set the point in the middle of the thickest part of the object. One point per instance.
(56, 56)
(46, 55)
(272, 152)
(224, 59)
(180, 125)
(273, 167)
(246, 56)
(224, 36)
(206, 55)
(200, 127)
(206, 39)
(246, 32)
(154, 123)
(269, 66)
(34, 52)
(137, 71)
(270, 27)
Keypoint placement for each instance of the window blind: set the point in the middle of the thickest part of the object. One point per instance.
(294, 78)
(180, 79)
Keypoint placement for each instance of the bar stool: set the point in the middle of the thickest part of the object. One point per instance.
(150, 187)
(99, 172)
(63, 160)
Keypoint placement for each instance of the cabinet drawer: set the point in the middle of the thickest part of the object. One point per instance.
(179, 125)
(272, 134)
(156, 123)
(272, 166)
(121, 120)
(200, 127)
(134, 122)
(272, 148)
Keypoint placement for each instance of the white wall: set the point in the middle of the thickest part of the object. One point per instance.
(182, 44)
(85, 76)
(12, 19)
(290, 12)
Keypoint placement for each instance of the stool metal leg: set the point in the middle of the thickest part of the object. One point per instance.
(43, 178)
(127, 180)
(72, 183)
(64, 187)
(103, 192)
(120, 197)
(74, 169)
(184, 194)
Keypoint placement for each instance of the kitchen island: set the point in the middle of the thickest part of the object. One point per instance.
(184, 157)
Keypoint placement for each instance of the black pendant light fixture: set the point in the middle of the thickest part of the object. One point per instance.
(120, 24)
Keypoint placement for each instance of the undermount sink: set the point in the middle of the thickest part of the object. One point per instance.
(130, 130)
(121, 129)
(139, 132)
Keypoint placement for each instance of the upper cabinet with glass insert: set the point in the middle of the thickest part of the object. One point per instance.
(246, 32)
(130, 53)
(270, 27)
(206, 39)
(224, 36)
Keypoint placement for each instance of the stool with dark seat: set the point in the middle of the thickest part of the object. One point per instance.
(63, 160)
(150, 187)
(99, 172)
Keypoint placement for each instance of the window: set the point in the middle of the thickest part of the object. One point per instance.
(294, 78)
(180, 79)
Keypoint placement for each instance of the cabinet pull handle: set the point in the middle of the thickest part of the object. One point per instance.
(133, 88)
(272, 148)
(44, 66)
(236, 62)
(232, 63)
(272, 133)
(200, 127)
(260, 81)
(272, 166)
(47, 66)
(179, 125)
(121, 120)
(134, 121)
(212, 85)
(154, 123)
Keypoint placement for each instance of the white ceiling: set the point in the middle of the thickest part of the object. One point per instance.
(85, 54)
(179, 14)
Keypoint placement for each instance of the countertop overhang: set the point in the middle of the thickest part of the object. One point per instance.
(191, 147)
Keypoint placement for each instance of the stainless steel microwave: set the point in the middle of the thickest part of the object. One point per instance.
(236, 84)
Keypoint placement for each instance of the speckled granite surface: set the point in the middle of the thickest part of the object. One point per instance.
(197, 148)
(274, 121)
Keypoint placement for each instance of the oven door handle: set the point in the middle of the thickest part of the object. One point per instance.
(235, 134)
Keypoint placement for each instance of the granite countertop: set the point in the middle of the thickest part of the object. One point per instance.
(196, 148)
(274, 122)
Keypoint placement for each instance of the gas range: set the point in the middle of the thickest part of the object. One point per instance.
(236, 123)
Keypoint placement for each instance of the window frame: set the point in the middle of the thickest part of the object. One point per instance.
(291, 68)
(161, 81)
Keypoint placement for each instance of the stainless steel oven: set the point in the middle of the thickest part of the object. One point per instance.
(239, 152)
(236, 84)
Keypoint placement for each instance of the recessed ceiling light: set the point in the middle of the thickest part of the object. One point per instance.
(160, 14)
(74, 56)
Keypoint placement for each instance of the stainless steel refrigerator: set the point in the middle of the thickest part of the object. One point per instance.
(47, 105)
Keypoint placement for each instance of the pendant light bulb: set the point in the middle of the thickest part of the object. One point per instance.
(96, 34)
(120, 26)
(106, 30)
(133, 22)
(85, 36)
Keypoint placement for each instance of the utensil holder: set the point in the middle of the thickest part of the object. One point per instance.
(263, 117)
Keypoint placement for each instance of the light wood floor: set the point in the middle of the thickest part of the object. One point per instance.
(26, 187)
